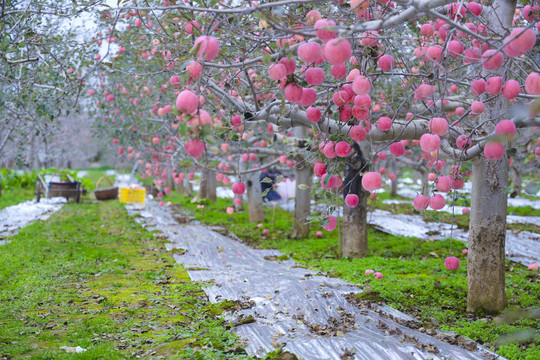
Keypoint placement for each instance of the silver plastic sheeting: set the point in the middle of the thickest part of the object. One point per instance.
(457, 210)
(283, 303)
(13, 218)
(522, 247)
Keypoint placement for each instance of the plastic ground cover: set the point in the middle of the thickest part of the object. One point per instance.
(13, 218)
(281, 303)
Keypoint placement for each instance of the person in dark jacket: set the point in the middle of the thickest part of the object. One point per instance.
(268, 180)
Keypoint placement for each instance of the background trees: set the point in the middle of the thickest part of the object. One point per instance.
(44, 64)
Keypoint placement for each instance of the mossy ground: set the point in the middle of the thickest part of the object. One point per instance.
(90, 276)
(415, 279)
(14, 196)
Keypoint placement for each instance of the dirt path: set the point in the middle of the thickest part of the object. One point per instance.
(13, 218)
(280, 302)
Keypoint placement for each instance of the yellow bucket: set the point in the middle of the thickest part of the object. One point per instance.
(132, 195)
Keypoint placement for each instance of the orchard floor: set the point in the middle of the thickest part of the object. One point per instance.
(98, 282)
(300, 310)
(415, 280)
(89, 283)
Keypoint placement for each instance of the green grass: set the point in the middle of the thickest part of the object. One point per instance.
(94, 175)
(13, 196)
(523, 211)
(415, 279)
(90, 276)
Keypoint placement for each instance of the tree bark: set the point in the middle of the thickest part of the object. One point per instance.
(207, 189)
(169, 181)
(239, 207)
(517, 180)
(180, 188)
(487, 232)
(424, 182)
(254, 195)
(355, 238)
(302, 205)
(188, 187)
(394, 183)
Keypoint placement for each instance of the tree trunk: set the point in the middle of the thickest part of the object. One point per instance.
(417, 175)
(517, 180)
(188, 187)
(207, 189)
(487, 232)
(425, 188)
(254, 195)
(169, 181)
(180, 188)
(355, 239)
(239, 207)
(302, 205)
(394, 184)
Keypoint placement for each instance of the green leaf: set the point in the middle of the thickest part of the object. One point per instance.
(327, 179)
(213, 164)
(266, 180)
(186, 163)
(182, 129)
(265, 192)
(303, 187)
(267, 58)
(511, 152)
(532, 188)
(207, 130)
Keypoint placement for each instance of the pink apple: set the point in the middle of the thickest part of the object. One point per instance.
(332, 223)
(207, 48)
(494, 150)
(437, 202)
(238, 188)
(371, 181)
(187, 102)
(351, 200)
(451, 263)
(420, 202)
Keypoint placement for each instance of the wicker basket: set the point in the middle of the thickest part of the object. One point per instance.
(109, 193)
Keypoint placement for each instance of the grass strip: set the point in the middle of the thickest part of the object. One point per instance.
(90, 276)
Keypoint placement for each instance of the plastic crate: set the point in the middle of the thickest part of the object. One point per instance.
(132, 195)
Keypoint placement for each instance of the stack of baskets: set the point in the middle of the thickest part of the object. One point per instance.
(132, 194)
(108, 193)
